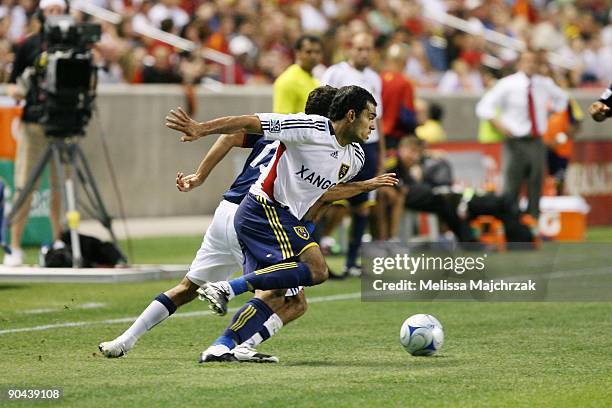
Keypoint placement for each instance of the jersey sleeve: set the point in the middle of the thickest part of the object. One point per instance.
(249, 139)
(296, 128)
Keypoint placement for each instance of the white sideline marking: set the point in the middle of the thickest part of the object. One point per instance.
(90, 305)
(319, 299)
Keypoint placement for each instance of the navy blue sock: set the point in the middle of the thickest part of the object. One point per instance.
(279, 276)
(246, 322)
(166, 301)
(359, 225)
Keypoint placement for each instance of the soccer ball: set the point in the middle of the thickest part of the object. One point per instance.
(422, 335)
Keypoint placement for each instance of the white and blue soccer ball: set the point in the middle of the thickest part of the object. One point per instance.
(422, 335)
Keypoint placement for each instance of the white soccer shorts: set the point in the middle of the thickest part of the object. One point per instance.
(220, 255)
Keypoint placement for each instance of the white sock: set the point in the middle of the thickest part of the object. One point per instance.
(273, 325)
(230, 290)
(154, 314)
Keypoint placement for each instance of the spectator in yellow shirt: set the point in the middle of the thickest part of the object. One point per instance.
(432, 131)
(292, 87)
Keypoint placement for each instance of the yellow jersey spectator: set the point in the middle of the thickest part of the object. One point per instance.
(292, 87)
(432, 131)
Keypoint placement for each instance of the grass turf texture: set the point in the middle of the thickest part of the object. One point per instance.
(341, 353)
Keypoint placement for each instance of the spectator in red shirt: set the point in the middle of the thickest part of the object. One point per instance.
(399, 118)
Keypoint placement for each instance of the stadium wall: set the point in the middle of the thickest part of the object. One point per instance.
(146, 156)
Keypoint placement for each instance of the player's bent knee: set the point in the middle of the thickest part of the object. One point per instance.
(318, 269)
(320, 273)
(315, 261)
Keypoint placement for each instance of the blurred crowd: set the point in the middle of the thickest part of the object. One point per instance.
(260, 35)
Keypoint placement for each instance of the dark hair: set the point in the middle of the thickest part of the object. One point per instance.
(436, 112)
(347, 98)
(319, 100)
(307, 37)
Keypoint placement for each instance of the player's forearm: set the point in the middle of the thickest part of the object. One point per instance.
(231, 124)
(344, 191)
(214, 156)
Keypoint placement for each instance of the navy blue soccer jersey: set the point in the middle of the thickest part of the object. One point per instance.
(262, 153)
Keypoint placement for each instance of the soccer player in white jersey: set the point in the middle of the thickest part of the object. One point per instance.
(356, 71)
(220, 253)
(314, 155)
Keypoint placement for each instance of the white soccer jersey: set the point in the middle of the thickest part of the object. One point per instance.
(343, 74)
(308, 161)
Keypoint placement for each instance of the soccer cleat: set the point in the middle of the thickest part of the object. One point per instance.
(113, 349)
(15, 258)
(246, 354)
(352, 271)
(217, 294)
(217, 353)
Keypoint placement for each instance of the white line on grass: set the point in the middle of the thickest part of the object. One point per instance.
(91, 305)
(319, 299)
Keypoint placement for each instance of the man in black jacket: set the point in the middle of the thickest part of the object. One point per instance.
(426, 183)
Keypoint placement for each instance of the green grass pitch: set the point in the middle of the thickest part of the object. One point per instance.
(341, 353)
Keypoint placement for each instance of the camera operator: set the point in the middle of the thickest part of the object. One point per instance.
(31, 142)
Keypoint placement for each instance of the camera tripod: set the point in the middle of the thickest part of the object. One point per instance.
(72, 171)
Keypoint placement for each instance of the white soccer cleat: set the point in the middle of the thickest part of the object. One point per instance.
(217, 294)
(246, 354)
(114, 349)
(217, 353)
(15, 258)
(354, 271)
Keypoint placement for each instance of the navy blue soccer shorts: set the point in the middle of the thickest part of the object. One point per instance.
(269, 234)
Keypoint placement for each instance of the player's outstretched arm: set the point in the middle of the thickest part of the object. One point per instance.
(217, 152)
(348, 190)
(192, 130)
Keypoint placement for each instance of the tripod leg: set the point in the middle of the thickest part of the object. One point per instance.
(90, 182)
(67, 193)
(57, 158)
(25, 192)
(72, 214)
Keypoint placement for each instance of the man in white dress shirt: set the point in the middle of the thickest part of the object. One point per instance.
(356, 71)
(518, 106)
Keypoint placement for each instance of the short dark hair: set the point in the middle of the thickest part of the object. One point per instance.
(436, 112)
(307, 37)
(347, 98)
(319, 100)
